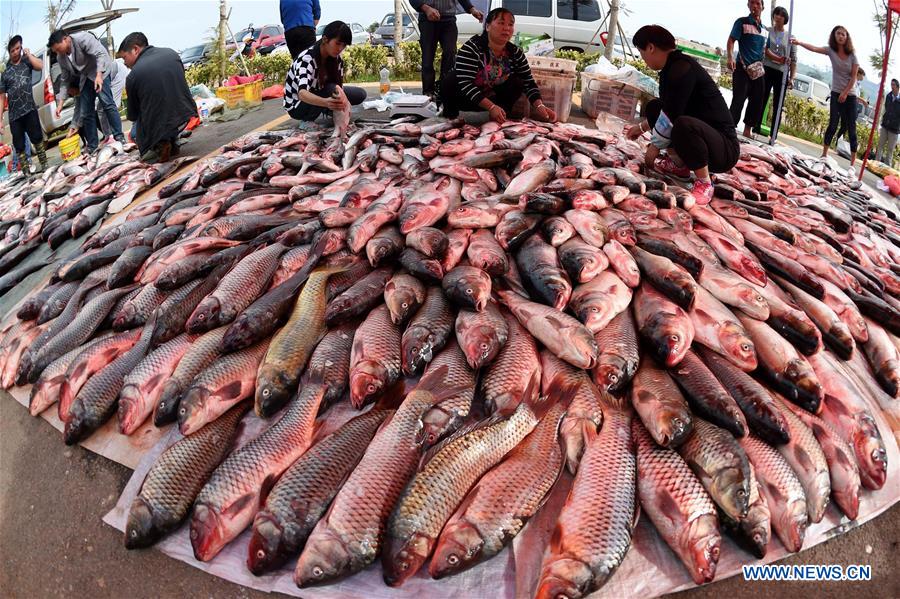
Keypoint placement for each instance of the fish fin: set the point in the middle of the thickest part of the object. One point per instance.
(230, 391)
(265, 488)
(237, 505)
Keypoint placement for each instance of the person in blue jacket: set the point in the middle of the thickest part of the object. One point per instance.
(299, 18)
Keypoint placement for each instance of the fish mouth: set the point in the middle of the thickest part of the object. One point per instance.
(705, 549)
(129, 402)
(264, 553)
(206, 532)
(366, 382)
(402, 559)
(190, 406)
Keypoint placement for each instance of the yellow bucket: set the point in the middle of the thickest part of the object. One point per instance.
(70, 148)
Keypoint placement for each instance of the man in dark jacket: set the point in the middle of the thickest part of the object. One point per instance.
(437, 23)
(159, 100)
(890, 125)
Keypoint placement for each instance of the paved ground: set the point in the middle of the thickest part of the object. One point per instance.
(52, 499)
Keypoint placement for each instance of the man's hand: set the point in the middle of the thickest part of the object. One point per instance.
(479, 16)
(731, 65)
(72, 131)
(651, 156)
(59, 105)
(431, 13)
(497, 113)
(843, 97)
(780, 60)
(635, 131)
(98, 82)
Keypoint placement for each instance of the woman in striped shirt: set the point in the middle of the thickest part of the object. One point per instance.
(492, 74)
(315, 81)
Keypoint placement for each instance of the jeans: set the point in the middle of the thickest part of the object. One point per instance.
(751, 91)
(431, 33)
(308, 112)
(697, 143)
(845, 112)
(299, 39)
(505, 95)
(88, 99)
(887, 141)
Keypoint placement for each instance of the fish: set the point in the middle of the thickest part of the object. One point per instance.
(403, 295)
(175, 479)
(706, 395)
(541, 272)
(668, 329)
(668, 278)
(621, 261)
(485, 253)
(598, 301)
(581, 261)
(375, 360)
(516, 369)
(481, 335)
(660, 405)
(426, 333)
(557, 230)
(678, 505)
(467, 287)
(449, 414)
(716, 327)
(203, 350)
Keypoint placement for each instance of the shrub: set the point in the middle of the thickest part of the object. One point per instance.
(362, 62)
(273, 66)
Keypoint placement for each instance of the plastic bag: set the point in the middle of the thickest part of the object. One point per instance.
(843, 148)
(273, 91)
(201, 91)
(602, 67)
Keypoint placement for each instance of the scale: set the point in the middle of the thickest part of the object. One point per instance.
(418, 105)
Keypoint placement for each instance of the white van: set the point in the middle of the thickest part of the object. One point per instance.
(573, 24)
(807, 88)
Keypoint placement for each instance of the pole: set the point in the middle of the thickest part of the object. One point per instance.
(884, 66)
(107, 5)
(398, 31)
(776, 123)
(612, 30)
(220, 43)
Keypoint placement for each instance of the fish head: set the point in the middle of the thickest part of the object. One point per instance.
(564, 578)
(166, 409)
(417, 349)
(324, 558)
(401, 302)
(733, 491)
(129, 409)
(403, 558)
(480, 345)
(76, 425)
(704, 544)
(793, 521)
(205, 316)
(611, 372)
(459, 548)
(140, 530)
(468, 286)
(192, 408)
(367, 380)
(207, 532)
(753, 303)
(739, 345)
(265, 551)
(273, 389)
(624, 234)
(872, 458)
(125, 317)
(757, 528)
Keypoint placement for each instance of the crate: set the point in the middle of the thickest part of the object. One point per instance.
(599, 94)
(556, 91)
(246, 93)
(552, 64)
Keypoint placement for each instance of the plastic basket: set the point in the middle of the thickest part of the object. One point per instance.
(70, 148)
(550, 63)
(246, 93)
(599, 94)
(556, 91)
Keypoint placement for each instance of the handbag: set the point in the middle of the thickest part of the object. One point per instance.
(755, 70)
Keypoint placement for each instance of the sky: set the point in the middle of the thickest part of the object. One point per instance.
(189, 22)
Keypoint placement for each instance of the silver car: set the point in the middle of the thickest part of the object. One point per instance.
(360, 35)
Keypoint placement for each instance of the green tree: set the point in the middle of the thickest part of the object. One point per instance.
(876, 58)
(371, 28)
(56, 12)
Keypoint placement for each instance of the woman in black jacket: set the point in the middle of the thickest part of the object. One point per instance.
(492, 74)
(690, 120)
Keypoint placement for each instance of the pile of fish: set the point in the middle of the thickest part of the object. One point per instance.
(65, 202)
(498, 303)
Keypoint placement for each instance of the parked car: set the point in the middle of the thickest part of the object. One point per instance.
(360, 35)
(384, 35)
(45, 83)
(195, 55)
(573, 24)
(265, 38)
(810, 89)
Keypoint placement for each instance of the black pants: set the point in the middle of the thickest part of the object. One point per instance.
(845, 113)
(430, 34)
(505, 95)
(697, 143)
(844, 126)
(299, 39)
(747, 90)
(308, 112)
(773, 79)
(29, 125)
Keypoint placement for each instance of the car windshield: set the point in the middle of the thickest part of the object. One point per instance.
(801, 86)
(192, 53)
(242, 34)
(389, 21)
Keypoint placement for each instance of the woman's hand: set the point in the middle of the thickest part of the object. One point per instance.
(497, 113)
(635, 131)
(545, 113)
(340, 102)
(650, 156)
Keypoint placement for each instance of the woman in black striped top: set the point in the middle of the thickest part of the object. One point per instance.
(492, 74)
(315, 81)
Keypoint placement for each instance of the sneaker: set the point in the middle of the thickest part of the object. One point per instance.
(702, 191)
(667, 167)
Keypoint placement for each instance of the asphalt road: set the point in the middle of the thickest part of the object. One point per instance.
(52, 499)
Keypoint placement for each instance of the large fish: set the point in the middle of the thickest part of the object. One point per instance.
(203, 350)
(481, 334)
(427, 332)
(716, 327)
(707, 396)
(516, 369)
(660, 405)
(619, 353)
(667, 328)
(598, 301)
(375, 361)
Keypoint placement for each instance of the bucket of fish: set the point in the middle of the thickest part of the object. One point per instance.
(599, 94)
(556, 90)
(70, 148)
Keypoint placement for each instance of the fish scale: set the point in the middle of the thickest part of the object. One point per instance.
(329, 363)
(593, 531)
(678, 506)
(202, 352)
(448, 415)
(619, 353)
(502, 501)
(175, 479)
(229, 500)
(427, 332)
(303, 493)
(45, 392)
(375, 360)
(226, 381)
(143, 385)
(135, 312)
(96, 401)
(517, 367)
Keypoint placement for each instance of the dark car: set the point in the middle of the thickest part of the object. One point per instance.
(384, 35)
(195, 55)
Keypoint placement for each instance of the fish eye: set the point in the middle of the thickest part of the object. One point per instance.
(614, 378)
(266, 393)
(741, 493)
(674, 337)
(370, 388)
(182, 411)
(745, 346)
(201, 316)
(134, 533)
(468, 291)
(484, 347)
(452, 559)
(318, 572)
(404, 305)
(260, 554)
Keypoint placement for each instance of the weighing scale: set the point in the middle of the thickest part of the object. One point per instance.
(419, 105)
